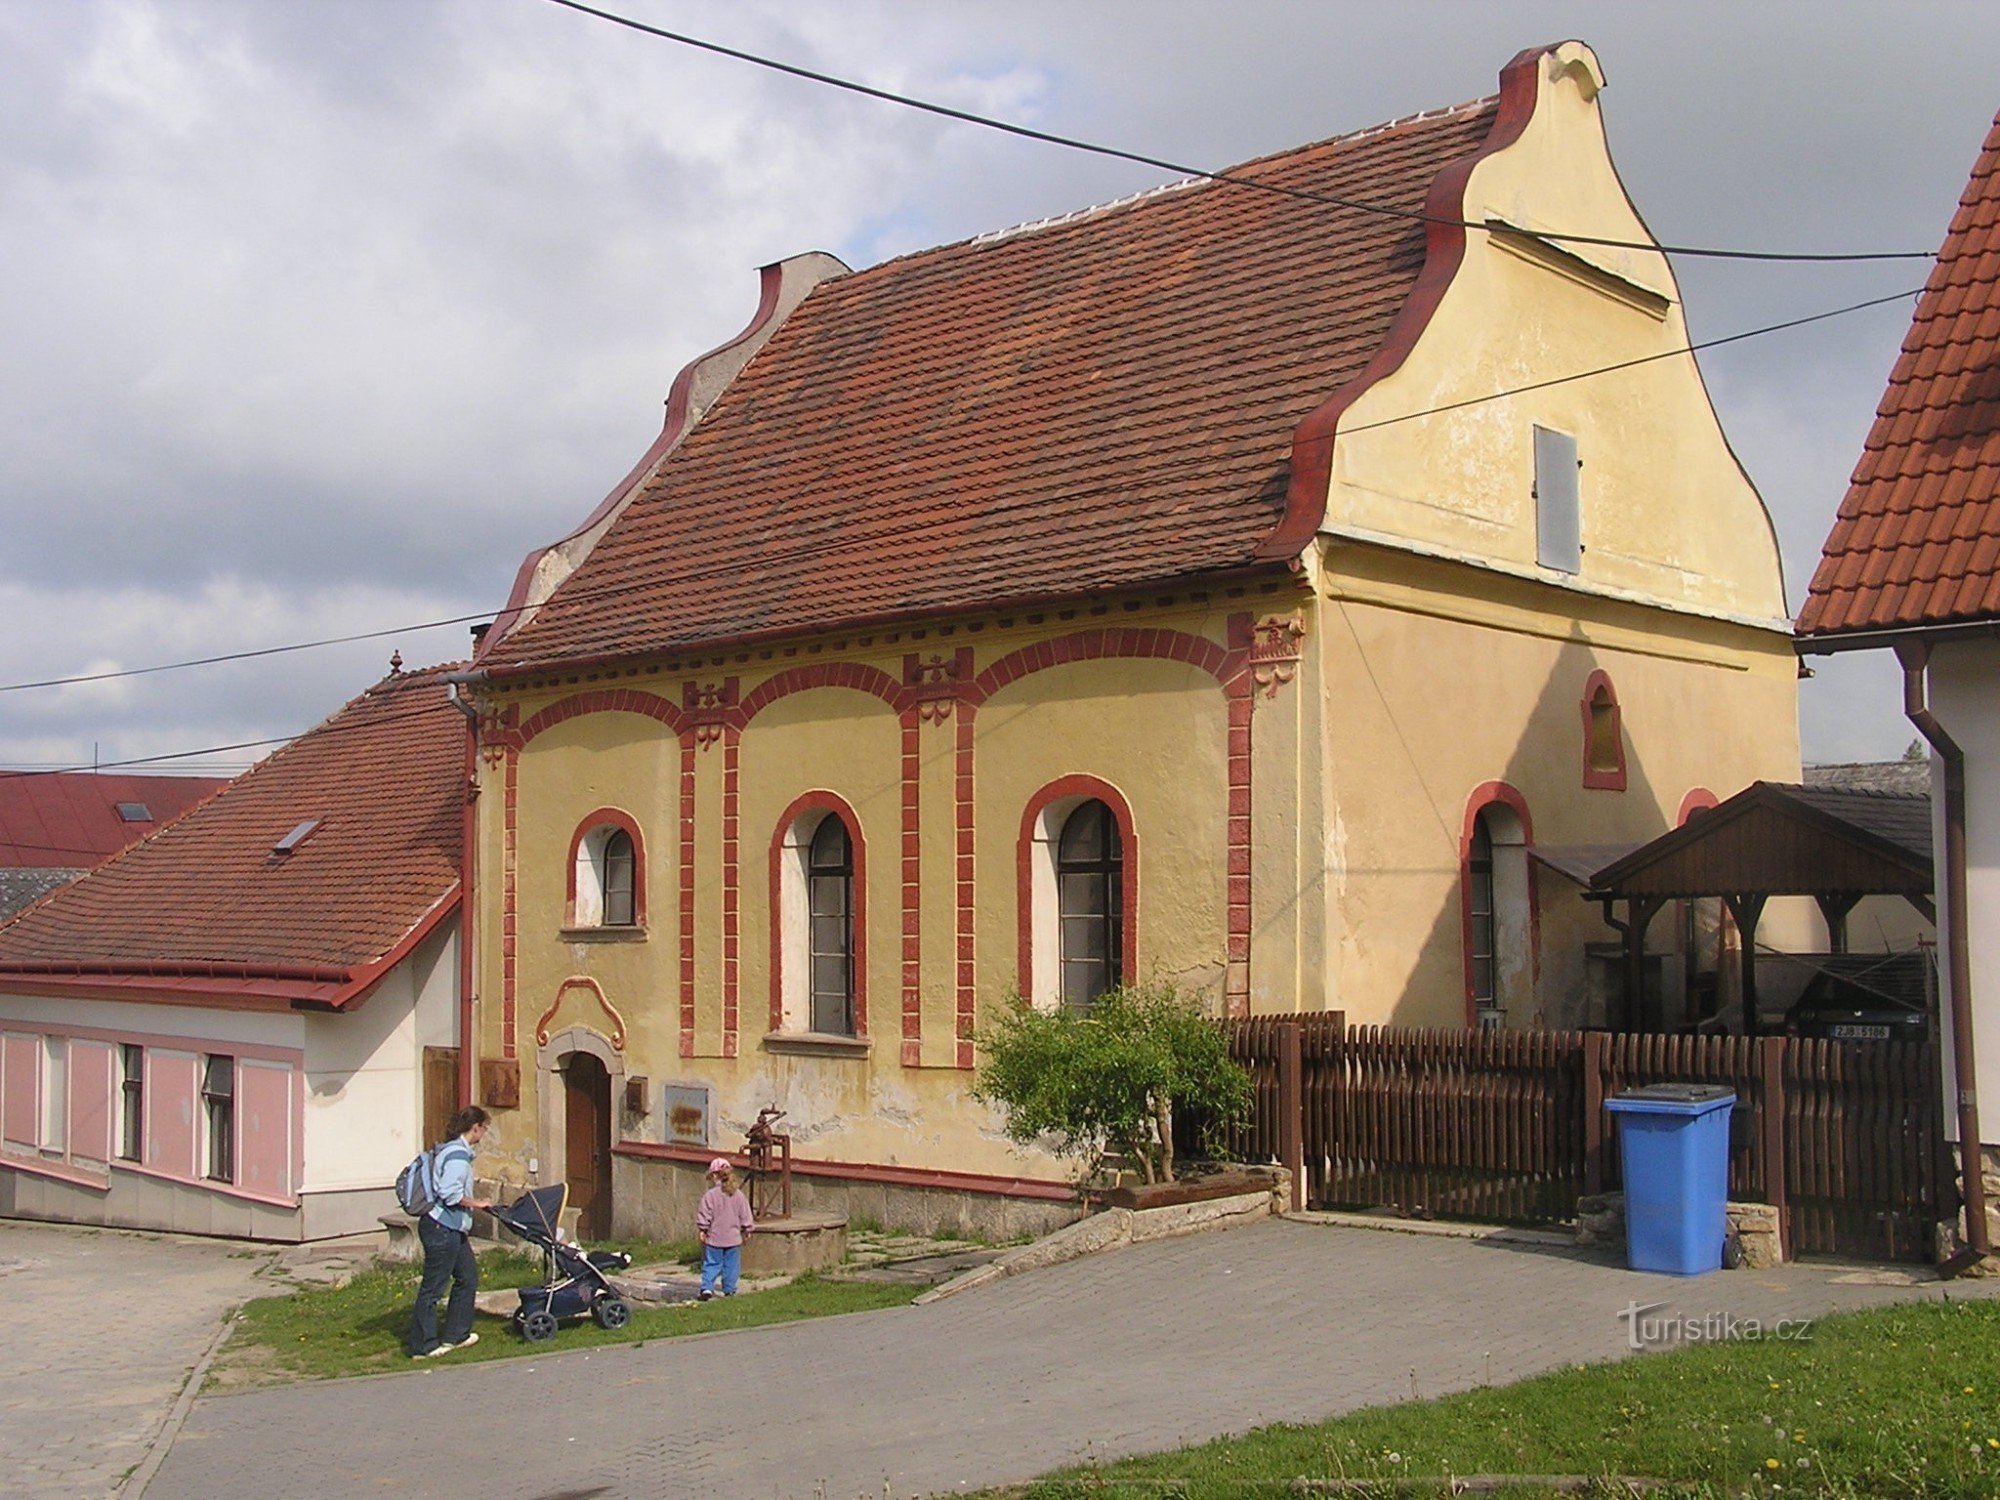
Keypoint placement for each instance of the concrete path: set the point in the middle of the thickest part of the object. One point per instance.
(98, 1333)
(1143, 1348)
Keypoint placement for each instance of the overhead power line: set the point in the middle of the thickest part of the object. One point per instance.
(583, 595)
(1164, 164)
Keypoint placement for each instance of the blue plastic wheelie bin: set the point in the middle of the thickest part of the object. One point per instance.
(1674, 1143)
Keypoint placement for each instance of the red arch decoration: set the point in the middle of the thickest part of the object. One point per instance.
(837, 806)
(1606, 778)
(825, 674)
(1489, 794)
(613, 817)
(1698, 799)
(1126, 642)
(602, 701)
(1024, 870)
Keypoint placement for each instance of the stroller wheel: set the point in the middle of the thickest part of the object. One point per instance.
(538, 1327)
(611, 1312)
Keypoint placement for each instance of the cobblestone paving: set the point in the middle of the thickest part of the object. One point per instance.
(1144, 1348)
(98, 1334)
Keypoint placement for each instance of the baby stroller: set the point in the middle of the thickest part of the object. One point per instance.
(573, 1279)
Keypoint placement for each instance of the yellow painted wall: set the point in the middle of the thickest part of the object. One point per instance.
(1155, 729)
(1438, 679)
(1668, 515)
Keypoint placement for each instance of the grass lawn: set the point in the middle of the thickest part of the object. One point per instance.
(315, 1333)
(1900, 1401)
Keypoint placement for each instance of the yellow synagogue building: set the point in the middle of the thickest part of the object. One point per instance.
(1227, 585)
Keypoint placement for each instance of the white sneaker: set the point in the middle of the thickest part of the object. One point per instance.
(465, 1343)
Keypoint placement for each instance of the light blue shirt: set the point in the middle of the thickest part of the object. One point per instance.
(451, 1184)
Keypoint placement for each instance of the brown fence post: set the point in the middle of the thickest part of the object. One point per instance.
(1771, 1074)
(1593, 1111)
(1291, 1110)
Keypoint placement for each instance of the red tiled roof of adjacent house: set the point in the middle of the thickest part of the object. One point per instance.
(71, 819)
(1917, 542)
(1101, 401)
(207, 896)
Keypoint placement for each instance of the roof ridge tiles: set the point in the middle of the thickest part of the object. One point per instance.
(1217, 178)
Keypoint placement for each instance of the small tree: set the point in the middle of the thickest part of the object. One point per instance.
(1110, 1078)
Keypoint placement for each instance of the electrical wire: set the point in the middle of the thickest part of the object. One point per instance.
(568, 597)
(1073, 143)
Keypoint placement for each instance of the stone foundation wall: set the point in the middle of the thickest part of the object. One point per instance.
(1600, 1220)
(657, 1200)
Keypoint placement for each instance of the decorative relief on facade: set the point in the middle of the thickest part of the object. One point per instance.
(1274, 651)
(499, 732)
(933, 686)
(581, 982)
(707, 709)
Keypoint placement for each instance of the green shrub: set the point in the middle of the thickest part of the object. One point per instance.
(1110, 1078)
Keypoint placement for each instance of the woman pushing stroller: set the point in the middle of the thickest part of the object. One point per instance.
(721, 1222)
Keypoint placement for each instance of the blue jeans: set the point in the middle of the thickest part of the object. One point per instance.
(447, 1257)
(720, 1263)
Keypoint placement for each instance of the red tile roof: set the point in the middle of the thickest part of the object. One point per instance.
(1101, 401)
(1917, 542)
(69, 820)
(206, 898)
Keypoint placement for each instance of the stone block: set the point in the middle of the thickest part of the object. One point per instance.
(403, 1245)
(1757, 1230)
(804, 1242)
(1085, 1237)
(1191, 1218)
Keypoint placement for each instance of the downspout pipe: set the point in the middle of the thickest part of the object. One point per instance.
(1915, 658)
(468, 865)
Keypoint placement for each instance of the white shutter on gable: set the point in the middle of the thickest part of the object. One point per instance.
(1558, 523)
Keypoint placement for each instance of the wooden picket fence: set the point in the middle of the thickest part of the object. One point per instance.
(1845, 1138)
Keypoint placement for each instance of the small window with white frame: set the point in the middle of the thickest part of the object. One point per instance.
(131, 1102)
(55, 1093)
(218, 1109)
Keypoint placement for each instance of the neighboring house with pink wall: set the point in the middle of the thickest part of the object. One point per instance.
(239, 1025)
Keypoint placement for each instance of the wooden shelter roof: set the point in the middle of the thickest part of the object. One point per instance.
(1778, 839)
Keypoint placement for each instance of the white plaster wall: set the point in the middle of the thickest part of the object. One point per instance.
(364, 1081)
(129, 1018)
(1963, 678)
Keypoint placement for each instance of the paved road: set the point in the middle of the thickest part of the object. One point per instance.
(98, 1332)
(1140, 1349)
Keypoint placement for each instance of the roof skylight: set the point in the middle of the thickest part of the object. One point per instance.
(134, 812)
(296, 837)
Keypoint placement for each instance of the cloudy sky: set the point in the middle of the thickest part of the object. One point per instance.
(318, 314)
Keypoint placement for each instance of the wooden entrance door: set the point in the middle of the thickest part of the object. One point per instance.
(440, 1091)
(587, 1136)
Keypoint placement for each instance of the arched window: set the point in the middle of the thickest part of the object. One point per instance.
(819, 952)
(1603, 735)
(830, 936)
(1479, 901)
(1090, 916)
(1497, 906)
(1078, 887)
(607, 876)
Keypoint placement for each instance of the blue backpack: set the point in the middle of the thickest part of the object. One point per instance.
(415, 1189)
(416, 1184)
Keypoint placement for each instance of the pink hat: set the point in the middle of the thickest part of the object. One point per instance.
(718, 1165)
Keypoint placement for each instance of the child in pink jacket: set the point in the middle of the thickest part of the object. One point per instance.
(722, 1220)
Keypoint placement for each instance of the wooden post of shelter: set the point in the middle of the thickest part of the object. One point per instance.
(1747, 907)
(1594, 1045)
